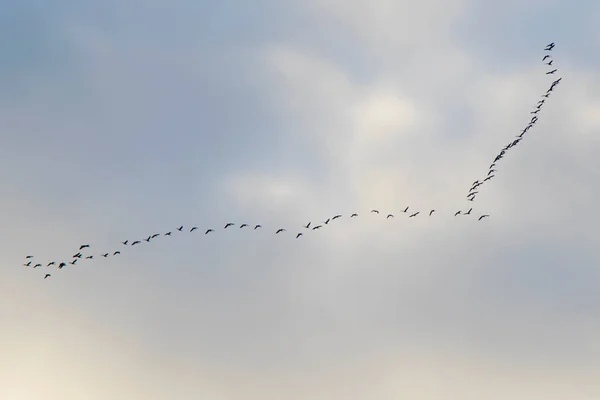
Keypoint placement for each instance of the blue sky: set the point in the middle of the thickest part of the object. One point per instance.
(120, 120)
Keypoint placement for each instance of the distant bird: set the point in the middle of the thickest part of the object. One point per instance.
(471, 199)
(83, 246)
(298, 235)
(105, 255)
(27, 264)
(550, 46)
(155, 235)
(546, 95)
(73, 262)
(168, 234)
(375, 211)
(280, 230)
(469, 212)
(551, 72)
(406, 209)
(89, 257)
(546, 56)
(37, 265)
(148, 239)
(558, 81)
(78, 255)
(491, 171)
(336, 217)
(125, 242)
(431, 212)
(307, 225)
(258, 226)
(116, 252)
(456, 213)
(489, 177)
(326, 222)
(317, 227)
(193, 229)
(28, 257)
(47, 276)
(136, 242)
(389, 215)
(550, 62)
(228, 224)
(473, 193)
(243, 225)
(414, 215)
(492, 165)
(208, 231)
(535, 112)
(354, 215)
(180, 228)
(482, 217)
(61, 265)
(51, 263)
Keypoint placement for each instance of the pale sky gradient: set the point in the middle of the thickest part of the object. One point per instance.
(122, 119)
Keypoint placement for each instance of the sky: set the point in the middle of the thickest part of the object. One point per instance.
(123, 119)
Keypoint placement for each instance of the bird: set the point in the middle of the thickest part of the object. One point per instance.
(37, 265)
(116, 252)
(406, 209)
(473, 193)
(550, 46)
(148, 239)
(551, 72)
(298, 235)
(336, 217)
(155, 235)
(136, 242)
(193, 229)
(489, 177)
(27, 264)
(546, 95)
(258, 226)
(414, 215)
(228, 224)
(558, 81)
(354, 215)
(105, 255)
(83, 246)
(61, 265)
(51, 263)
(208, 231)
(550, 62)
(389, 215)
(280, 230)
(47, 276)
(89, 257)
(456, 213)
(73, 262)
(168, 234)
(546, 56)
(535, 112)
(375, 211)
(482, 217)
(28, 257)
(326, 222)
(180, 228)
(78, 255)
(243, 225)
(431, 212)
(307, 225)
(125, 242)
(471, 199)
(468, 212)
(491, 171)
(317, 227)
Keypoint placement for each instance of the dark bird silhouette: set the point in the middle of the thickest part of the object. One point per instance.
(414, 215)
(491, 171)
(180, 228)
(136, 242)
(37, 265)
(83, 246)
(431, 212)
(307, 225)
(208, 231)
(28, 257)
(375, 211)
(550, 46)
(105, 255)
(546, 95)
(148, 239)
(558, 81)
(61, 265)
(473, 193)
(456, 213)
(27, 264)
(326, 222)
(78, 255)
(168, 234)
(535, 112)
(336, 217)
(550, 62)
(51, 263)
(73, 262)
(228, 224)
(389, 215)
(280, 230)
(471, 199)
(482, 217)
(354, 215)
(551, 72)
(116, 252)
(546, 56)
(243, 225)
(258, 226)
(194, 229)
(155, 235)
(125, 242)
(469, 212)
(317, 227)
(47, 276)
(89, 257)
(489, 177)
(406, 209)
(298, 235)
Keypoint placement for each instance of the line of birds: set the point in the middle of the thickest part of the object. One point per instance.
(79, 255)
(474, 190)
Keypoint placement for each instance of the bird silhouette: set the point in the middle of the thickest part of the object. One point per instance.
(78, 255)
(136, 242)
(354, 215)
(116, 252)
(336, 217)
(168, 234)
(550, 62)
(469, 212)
(89, 257)
(193, 229)
(482, 217)
(317, 227)
(148, 239)
(243, 225)
(491, 171)
(208, 231)
(414, 215)
(551, 72)
(258, 226)
(550, 46)
(405, 210)
(27, 264)
(298, 235)
(28, 257)
(61, 265)
(180, 228)
(105, 255)
(280, 230)
(37, 265)
(73, 262)
(155, 235)
(307, 225)
(456, 213)
(431, 212)
(125, 242)
(375, 211)
(489, 177)
(390, 216)
(326, 222)
(47, 276)
(51, 263)
(83, 246)
(228, 224)
(546, 56)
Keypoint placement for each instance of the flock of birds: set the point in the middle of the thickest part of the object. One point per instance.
(80, 257)
(474, 190)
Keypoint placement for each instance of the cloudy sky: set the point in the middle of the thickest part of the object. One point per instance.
(123, 119)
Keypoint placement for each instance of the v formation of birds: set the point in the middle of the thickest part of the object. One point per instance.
(474, 190)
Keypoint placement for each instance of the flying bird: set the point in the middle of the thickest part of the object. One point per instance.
(406, 209)
(491, 171)
(546, 56)
(168, 234)
(551, 72)
(73, 262)
(136, 242)
(27, 264)
(193, 229)
(550, 46)
(105, 255)
(148, 239)
(125, 242)
(414, 215)
(28, 257)
(228, 224)
(307, 225)
(431, 212)
(78, 255)
(482, 217)
(354, 215)
(116, 252)
(489, 177)
(208, 231)
(317, 227)
(51, 263)
(389, 215)
(180, 228)
(326, 222)
(336, 217)
(550, 62)
(258, 226)
(47, 276)
(89, 257)
(456, 213)
(61, 265)
(375, 211)
(298, 235)
(469, 212)
(155, 235)
(83, 246)
(535, 112)
(37, 265)
(243, 225)
(280, 230)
